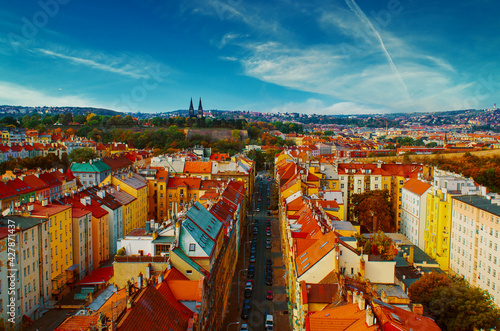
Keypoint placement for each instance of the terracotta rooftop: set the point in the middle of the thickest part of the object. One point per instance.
(197, 167)
(416, 186)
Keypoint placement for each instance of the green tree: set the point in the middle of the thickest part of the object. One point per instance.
(460, 306)
(82, 155)
(68, 118)
(79, 119)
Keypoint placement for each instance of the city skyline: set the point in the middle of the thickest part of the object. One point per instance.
(339, 57)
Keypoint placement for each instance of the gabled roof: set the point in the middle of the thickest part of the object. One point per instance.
(19, 186)
(6, 191)
(48, 178)
(233, 196)
(95, 166)
(206, 221)
(315, 252)
(416, 186)
(206, 243)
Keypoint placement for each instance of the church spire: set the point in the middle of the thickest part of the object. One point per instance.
(200, 110)
(191, 109)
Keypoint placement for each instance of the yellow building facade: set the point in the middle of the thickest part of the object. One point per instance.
(437, 227)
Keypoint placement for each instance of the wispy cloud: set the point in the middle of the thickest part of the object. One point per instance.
(362, 17)
(316, 106)
(13, 94)
(132, 66)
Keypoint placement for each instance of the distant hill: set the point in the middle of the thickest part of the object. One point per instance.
(17, 111)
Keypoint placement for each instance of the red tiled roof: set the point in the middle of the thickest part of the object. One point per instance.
(153, 310)
(98, 276)
(192, 183)
(35, 182)
(78, 323)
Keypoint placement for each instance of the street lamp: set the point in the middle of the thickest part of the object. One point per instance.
(233, 323)
(239, 284)
(244, 252)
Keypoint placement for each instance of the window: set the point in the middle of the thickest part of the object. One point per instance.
(192, 247)
(189, 272)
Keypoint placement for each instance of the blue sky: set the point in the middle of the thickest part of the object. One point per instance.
(330, 57)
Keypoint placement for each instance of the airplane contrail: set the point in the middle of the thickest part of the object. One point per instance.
(363, 18)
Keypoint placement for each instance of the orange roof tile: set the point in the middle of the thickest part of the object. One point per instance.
(315, 252)
(416, 186)
(197, 167)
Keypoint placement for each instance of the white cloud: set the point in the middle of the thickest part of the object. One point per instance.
(315, 106)
(124, 64)
(13, 94)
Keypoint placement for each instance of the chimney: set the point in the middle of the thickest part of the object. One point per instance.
(361, 302)
(148, 271)
(160, 279)
(370, 319)
(139, 281)
(177, 232)
(88, 201)
(129, 303)
(418, 309)
(117, 188)
(148, 227)
(45, 202)
(355, 296)
(411, 257)
(349, 296)
(362, 268)
(83, 201)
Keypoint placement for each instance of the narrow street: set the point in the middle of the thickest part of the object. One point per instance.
(259, 304)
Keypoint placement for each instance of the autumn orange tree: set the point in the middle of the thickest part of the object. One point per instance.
(373, 211)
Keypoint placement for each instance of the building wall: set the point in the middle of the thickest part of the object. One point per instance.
(134, 244)
(413, 217)
(29, 270)
(100, 237)
(184, 267)
(82, 243)
(124, 271)
(474, 246)
(61, 245)
(437, 227)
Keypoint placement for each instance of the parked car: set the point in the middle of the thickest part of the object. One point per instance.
(244, 327)
(269, 295)
(269, 279)
(248, 293)
(251, 273)
(245, 313)
(268, 321)
(268, 246)
(269, 261)
(252, 258)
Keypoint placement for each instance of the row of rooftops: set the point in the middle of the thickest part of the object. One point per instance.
(313, 239)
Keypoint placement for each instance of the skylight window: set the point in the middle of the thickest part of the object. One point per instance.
(305, 266)
(303, 255)
(323, 244)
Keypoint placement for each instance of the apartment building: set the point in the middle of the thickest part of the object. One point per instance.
(438, 218)
(475, 225)
(413, 211)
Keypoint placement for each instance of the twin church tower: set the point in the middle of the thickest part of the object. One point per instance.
(191, 110)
